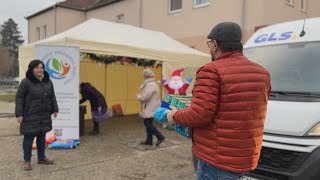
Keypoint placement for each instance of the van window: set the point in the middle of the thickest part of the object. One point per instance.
(293, 67)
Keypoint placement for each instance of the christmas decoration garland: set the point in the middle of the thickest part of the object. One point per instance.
(113, 59)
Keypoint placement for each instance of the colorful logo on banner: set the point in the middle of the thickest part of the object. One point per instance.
(57, 69)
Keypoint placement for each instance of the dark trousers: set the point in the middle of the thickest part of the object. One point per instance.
(27, 146)
(151, 130)
(95, 125)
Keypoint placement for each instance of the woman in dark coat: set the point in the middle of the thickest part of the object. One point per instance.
(97, 102)
(35, 103)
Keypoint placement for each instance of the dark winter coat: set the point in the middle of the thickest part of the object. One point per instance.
(90, 93)
(36, 102)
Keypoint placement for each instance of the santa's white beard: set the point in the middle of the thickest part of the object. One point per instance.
(175, 84)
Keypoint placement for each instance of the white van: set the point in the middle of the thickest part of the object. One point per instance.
(290, 51)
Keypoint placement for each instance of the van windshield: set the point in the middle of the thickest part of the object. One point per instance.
(293, 67)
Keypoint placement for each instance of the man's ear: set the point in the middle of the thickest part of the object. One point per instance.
(215, 45)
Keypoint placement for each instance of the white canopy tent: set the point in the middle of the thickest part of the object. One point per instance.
(103, 37)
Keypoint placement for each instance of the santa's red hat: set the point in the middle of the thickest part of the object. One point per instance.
(177, 72)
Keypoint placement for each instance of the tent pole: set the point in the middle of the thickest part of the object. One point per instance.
(105, 81)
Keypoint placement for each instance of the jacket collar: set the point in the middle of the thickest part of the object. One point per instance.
(230, 55)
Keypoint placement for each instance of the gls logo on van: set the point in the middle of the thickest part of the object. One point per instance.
(275, 37)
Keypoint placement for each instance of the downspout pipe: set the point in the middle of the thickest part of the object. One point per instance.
(242, 6)
(242, 11)
(140, 13)
(55, 17)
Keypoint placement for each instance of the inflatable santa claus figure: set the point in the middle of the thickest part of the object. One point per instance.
(176, 86)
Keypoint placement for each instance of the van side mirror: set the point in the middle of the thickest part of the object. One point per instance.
(302, 33)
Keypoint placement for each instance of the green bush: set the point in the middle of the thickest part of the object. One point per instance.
(8, 97)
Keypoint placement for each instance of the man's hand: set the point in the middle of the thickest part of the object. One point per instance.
(55, 114)
(171, 114)
(99, 110)
(20, 119)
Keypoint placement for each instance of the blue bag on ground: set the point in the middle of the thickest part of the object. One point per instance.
(161, 114)
(64, 144)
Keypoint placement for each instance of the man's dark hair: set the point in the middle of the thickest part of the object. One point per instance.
(228, 35)
(230, 46)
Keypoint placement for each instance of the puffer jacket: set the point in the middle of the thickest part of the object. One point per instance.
(149, 97)
(36, 102)
(228, 112)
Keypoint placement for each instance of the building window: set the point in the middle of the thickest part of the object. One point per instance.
(120, 18)
(38, 33)
(175, 6)
(201, 3)
(303, 5)
(44, 31)
(290, 2)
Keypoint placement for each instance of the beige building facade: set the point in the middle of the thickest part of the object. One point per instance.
(188, 21)
(52, 22)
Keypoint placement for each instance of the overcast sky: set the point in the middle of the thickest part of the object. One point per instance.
(18, 9)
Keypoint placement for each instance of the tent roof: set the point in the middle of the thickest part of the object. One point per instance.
(102, 37)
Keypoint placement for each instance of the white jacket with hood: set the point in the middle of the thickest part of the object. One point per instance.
(149, 95)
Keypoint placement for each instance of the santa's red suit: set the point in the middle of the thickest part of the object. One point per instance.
(180, 91)
(176, 86)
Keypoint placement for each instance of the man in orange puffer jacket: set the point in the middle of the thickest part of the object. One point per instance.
(228, 108)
